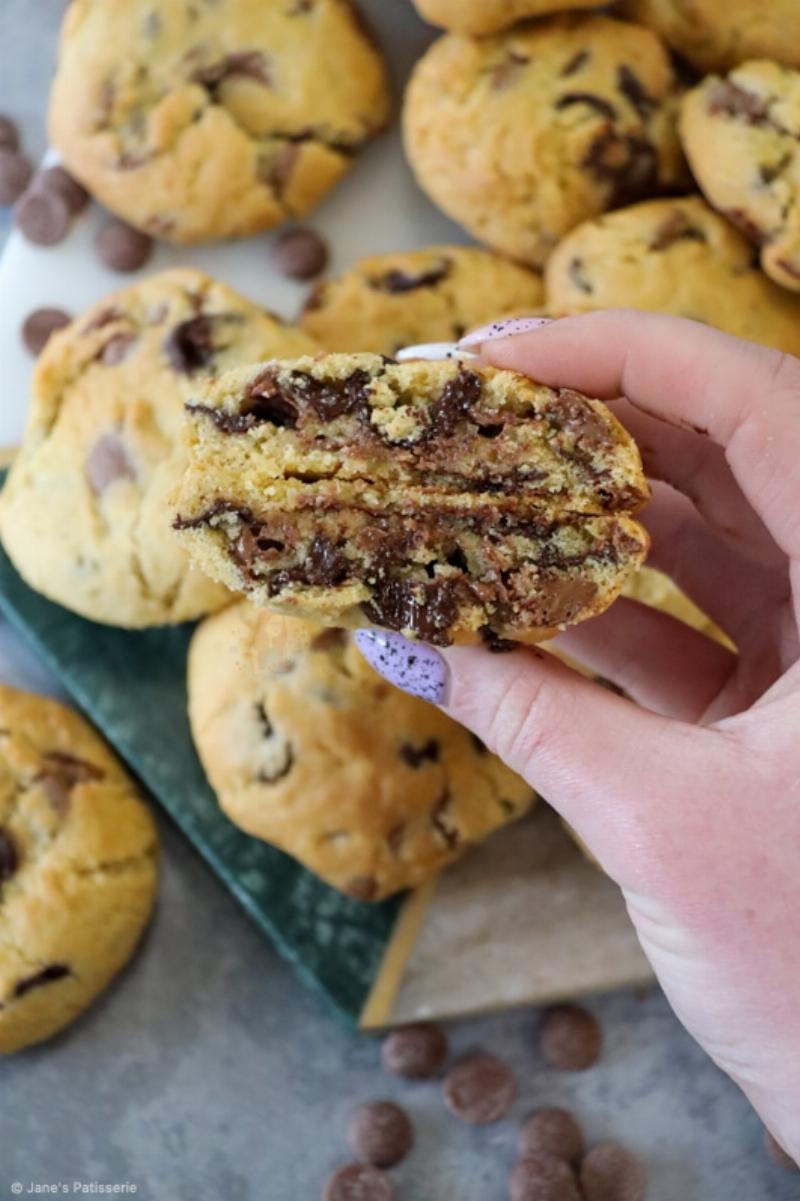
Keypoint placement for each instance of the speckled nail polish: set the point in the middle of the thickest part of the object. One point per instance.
(508, 328)
(412, 666)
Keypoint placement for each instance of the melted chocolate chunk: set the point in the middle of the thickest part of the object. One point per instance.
(9, 856)
(575, 415)
(325, 566)
(628, 165)
(730, 100)
(397, 282)
(428, 610)
(676, 228)
(634, 90)
(415, 756)
(216, 510)
(494, 643)
(332, 639)
(329, 399)
(457, 398)
(189, 347)
(54, 971)
(576, 63)
(604, 107)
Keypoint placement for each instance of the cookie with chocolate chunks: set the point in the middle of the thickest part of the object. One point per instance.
(200, 121)
(78, 867)
(521, 136)
(368, 787)
(84, 515)
(479, 17)
(388, 301)
(445, 500)
(742, 138)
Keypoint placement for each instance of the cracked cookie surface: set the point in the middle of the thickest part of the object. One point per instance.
(717, 34)
(78, 867)
(209, 119)
(84, 513)
(443, 499)
(521, 136)
(310, 750)
(672, 256)
(742, 138)
(479, 17)
(389, 301)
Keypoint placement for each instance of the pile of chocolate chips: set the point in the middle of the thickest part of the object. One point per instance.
(480, 1089)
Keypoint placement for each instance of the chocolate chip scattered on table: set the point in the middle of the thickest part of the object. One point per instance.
(9, 134)
(415, 1052)
(570, 1038)
(609, 1172)
(39, 325)
(59, 181)
(480, 1089)
(15, 175)
(123, 248)
(300, 253)
(43, 218)
(543, 1177)
(358, 1182)
(380, 1133)
(552, 1131)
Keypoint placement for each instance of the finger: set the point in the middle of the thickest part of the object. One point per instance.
(697, 467)
(660, 662)
(724, 584)
(745, 397)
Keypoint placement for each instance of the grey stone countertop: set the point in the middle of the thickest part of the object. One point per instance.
(207, 1073)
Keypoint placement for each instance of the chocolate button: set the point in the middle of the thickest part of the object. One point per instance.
(610, 1173)
(570, 1038)
(415, 1052)
(107, 461)
(480, 1089)
(123, 248)
(554, 1132)
(300, 254)
(9, 135)
(358, 1182)
(15, 174)
(61, 183)
(380, 1133)
(39, 325)
(43, 218)
(776, 1152)
(543, 1177)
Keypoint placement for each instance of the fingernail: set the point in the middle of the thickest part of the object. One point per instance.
(412, 666)
(503, 329)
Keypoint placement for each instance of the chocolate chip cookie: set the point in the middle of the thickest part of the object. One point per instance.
(479, 17)
(672, 256)
(218, 118)
(742, 137)
(441, 499)
(309, 749)
(84, 513)
(521, 136)
(717, 34)
(78, 867)
(434, 295)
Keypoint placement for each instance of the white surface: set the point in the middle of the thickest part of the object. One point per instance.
(377, 208)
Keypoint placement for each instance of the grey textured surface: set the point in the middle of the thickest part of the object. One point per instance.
(208, 1074)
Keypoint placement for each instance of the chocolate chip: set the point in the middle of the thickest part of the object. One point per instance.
(543, 1177)
(9, 855)
(55, 971)
(123, 248)
(59, 181)
(326, 565)
(43, 218)
(362, 888)
(358, 1182)
(754, 233)
(776, 1152)
(577, 274)
(9, 134)
(604, 107)
(106, 462)
(610, 1173)
(505, 73)
(494, 643)
(330, 398)
(39, 325)
(634, 90)
(570, 1038)
(415, 756)
(731, 100)
(380, 1133)
(627, 164)
(552, 1131)
(249, 63)
(415, 1052)
(456, 400)
(428, 610)
(578, 60)
(300, 254)
(397, 282)
(278, 171)
(480, 1089)
(574, 415)
(332, 639)
(676, 228)
(189, 347)
(15, 175)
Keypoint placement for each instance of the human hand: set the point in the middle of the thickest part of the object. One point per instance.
(690, 797)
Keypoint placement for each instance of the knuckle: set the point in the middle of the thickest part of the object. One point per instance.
(519, 730)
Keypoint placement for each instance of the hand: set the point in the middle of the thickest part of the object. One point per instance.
(689, 797)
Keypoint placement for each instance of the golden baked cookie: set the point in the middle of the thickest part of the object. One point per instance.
(672, 256)
(717, 34)
(742, 137)
(442, 499)
(78, 867)
(433, 295)
(521, 136)
(479, 17)
(84, 514)
(214, 120)
(309, 749)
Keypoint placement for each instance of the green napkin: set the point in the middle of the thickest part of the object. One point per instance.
(132, 684)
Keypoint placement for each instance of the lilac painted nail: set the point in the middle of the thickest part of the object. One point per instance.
(509, 328)
(412, 666)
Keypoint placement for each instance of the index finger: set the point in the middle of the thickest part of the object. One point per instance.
(745, 397)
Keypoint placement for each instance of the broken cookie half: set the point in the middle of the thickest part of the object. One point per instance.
(448, 500)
